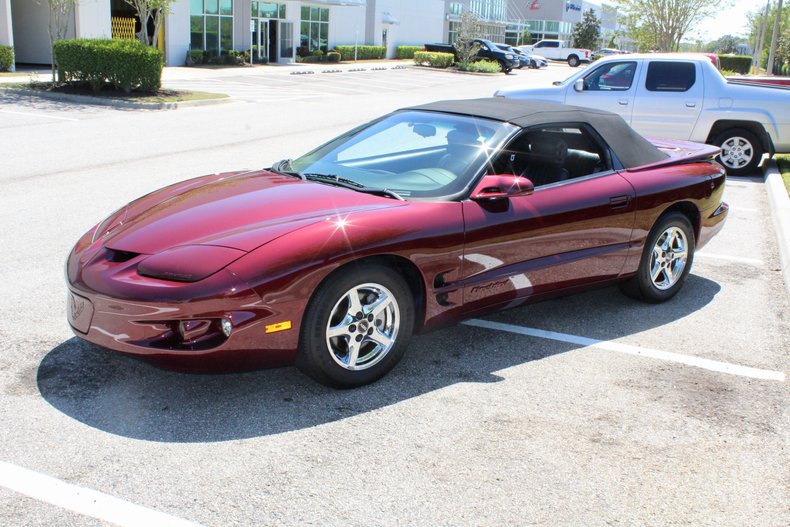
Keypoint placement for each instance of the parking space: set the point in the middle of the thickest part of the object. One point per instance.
(584, 410)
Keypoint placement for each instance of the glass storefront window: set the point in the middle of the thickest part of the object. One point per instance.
(196, 7)
(226, 7)
(268, 10)
(208, 29)
(314, 30)
(212, 33)
(196, 31)
(212, 7)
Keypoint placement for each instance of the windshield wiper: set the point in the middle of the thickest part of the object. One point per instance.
(333, 179)
(284, 167)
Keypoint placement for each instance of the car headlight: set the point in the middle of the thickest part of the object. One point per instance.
(188, 263)
(509, 56)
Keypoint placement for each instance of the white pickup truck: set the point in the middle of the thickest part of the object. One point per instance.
(680, 96)
(556, 50)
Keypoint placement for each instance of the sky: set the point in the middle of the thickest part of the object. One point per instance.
(729, 21)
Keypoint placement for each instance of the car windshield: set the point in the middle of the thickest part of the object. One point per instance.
(415, 154)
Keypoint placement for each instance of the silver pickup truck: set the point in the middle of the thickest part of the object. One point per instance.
(680, 96)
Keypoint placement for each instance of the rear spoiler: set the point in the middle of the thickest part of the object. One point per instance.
(679, 152)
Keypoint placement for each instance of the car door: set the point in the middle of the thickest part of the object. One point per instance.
(610, 86)
(567, 233)
(668, 99)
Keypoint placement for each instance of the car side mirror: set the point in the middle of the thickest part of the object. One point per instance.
(502, 186)
(579, 85)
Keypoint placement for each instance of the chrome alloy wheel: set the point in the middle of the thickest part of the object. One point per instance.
(669, 258)
(363, 326)
(736, 152)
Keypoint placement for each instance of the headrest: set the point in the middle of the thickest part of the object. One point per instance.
(462, 137)
(551, 151)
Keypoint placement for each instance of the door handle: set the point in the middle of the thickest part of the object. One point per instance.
(623, 102)
(619, 202)
(691, 105)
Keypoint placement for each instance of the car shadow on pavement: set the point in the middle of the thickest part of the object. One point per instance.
(128, 397)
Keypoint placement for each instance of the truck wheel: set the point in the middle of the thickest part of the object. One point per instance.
(741, 151)
(573, 61)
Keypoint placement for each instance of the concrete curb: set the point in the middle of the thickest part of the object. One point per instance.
(779, 202)
(115, 103)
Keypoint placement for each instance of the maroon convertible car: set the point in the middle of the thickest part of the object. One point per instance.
(414, 221)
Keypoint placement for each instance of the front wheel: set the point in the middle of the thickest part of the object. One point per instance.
(573, 61)
(356, 327)
(741, 151)
(666, 260)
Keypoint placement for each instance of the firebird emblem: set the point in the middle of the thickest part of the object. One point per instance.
(77, 307)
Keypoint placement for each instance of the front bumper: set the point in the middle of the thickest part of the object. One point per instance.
(173, 324)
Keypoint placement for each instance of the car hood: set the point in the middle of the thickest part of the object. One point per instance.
(237, 210)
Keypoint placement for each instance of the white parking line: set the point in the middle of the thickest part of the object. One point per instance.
(738, 259)
(707, 364)
(84, 501)
(31, 114)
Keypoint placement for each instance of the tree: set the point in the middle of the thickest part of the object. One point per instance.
(587, 33)
(525, 38)
(661, 24)
(60, 13)
(150, 9)
(465, 46)
(725, 44)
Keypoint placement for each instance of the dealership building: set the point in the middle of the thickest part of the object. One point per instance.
(280, 31)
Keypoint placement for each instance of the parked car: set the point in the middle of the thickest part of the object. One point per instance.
(604, 52)
(486, 50)
(680, 96)
(414, 221)
(520, 56)
(556, 50)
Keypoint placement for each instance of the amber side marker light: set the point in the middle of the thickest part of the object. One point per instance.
(280, 326)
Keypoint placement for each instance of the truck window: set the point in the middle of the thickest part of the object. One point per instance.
(547, 45)
(616, 76)
(670, 76)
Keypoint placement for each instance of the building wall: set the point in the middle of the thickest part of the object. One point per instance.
(6, 29)
(177, 33)
(93, 19)
(346, 26)
(411, 23)
(31, 37)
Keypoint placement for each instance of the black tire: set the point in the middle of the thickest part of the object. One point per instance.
(643, 286)
(504, 67)
(328, 359)
(741, 151)
(573, 61)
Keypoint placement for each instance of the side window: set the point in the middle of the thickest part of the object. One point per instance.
(552, 44)
(615, 76)
(552, 154)
(670, 76)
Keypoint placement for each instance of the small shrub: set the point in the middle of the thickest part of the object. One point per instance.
(737, 63)
(196, 55)
(729, 73)
(233, 56)
(6, 58)
(480, 66)
(434, 59)
(363, 52)
(407, 52)
(318, 53)
(333, 56)
(124, 64)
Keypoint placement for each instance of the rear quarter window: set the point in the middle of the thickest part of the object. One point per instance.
(670, 76)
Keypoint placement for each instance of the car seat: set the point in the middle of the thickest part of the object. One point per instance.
(546, 161)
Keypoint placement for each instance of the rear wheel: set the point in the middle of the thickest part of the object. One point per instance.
(356, 327)
(573, 61)
(666, 260)
(741, 151)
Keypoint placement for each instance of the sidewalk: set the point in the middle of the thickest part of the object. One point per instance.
(174, 73)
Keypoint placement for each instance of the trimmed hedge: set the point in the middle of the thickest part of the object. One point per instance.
(407, 52)
(434, 59)
(6, 58)
(363, 52)
(126, 64)
(481, 66)
(737, 63)
(333, 56)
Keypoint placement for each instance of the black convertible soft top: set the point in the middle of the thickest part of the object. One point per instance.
(631, 149)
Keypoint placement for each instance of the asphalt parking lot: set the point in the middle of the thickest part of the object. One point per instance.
(591, 409)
